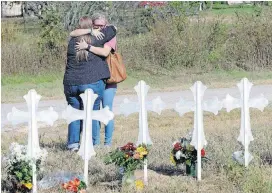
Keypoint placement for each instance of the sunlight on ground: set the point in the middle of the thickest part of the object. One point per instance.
(221, 173)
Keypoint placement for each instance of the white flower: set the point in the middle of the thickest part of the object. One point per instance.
(15, 149)
(178, 154)
(18, 153)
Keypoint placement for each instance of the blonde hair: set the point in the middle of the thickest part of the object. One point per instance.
(84, 23)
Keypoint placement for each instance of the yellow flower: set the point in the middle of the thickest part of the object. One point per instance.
(28, 185)
(172, 159)
(142, 151)
(139, 184)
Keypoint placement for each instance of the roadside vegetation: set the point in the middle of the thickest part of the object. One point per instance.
(170, 42)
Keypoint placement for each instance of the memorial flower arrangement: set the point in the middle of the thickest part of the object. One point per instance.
(128, 157)
(76, 185)
(19, 166)
(184, 153)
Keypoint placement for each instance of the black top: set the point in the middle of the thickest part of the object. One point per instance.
(92, 70)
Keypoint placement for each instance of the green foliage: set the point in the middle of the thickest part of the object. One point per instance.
(152, 40)
(215, 42)
(143, 22)
(184, 7)
(82, 186)
(22, 170)
(53, 33)
(75, 10)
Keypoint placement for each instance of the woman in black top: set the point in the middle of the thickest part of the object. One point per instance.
(83, 71)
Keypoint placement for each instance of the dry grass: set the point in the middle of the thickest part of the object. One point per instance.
(221, 174)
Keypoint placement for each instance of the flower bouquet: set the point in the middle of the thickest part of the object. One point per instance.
(75, 185)
(184, 153)
(19, 167)
(128, 158)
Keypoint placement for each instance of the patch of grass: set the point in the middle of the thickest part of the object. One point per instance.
(232, 9)
(30, 79)
(258, 180)
(219, 174)
(50, 86)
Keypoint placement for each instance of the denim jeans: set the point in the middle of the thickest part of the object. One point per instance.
(72, 96)
(108, 97)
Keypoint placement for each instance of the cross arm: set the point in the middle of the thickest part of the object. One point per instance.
(104, 115)
(183, 106)
(71, 114)
(213, 105)
(128, 107)
(17, 116)
(231, 103)
(156, 105)
(259, 102)
(48, 116)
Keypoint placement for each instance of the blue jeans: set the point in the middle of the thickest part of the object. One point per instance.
(108, 97)
(72, 96)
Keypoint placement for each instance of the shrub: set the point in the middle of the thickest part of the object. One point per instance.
(53, 34)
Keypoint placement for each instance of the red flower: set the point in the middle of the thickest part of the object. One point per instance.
(177, 146)
(72, 185)
(128, 147)
(203, 152)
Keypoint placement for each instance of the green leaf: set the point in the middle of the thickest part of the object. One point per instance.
(188, 162)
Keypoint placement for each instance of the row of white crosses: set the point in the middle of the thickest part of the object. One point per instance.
(104, 115)
(86, 150)
(197, 106)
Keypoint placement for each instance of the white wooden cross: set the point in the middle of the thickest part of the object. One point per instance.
(32, 117)
(230, 103)
(157, 105)
(86, 150)
(197, 106)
